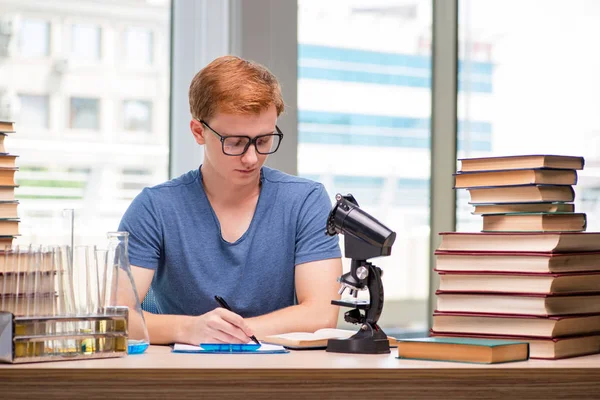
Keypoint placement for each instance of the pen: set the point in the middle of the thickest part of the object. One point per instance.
(224, 304)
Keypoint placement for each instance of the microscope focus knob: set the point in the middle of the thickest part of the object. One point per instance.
(362, 273)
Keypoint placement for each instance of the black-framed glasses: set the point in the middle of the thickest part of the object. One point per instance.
(237, 145)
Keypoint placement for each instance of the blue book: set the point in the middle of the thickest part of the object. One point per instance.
(460, 349)
(220, 348)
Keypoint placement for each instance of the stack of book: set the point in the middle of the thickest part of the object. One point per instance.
(9, 219)
(532, 274)
(28, 282)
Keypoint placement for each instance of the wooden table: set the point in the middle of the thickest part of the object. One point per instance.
(299, 374)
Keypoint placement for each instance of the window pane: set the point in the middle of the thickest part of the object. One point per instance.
(34, 111)
(85, 113)
(364, 98)
(137, 115)
(34, 39)
(85, 42)
(72, 153)
(527, 87)
(138, 46)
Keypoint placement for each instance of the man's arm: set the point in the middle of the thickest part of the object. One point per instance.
(160, 327)
(316, 286)
(217, 326)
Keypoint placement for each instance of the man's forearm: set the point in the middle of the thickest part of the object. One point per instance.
(299, 318)
(166, 329)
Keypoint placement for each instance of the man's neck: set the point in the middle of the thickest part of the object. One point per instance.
(225, 193)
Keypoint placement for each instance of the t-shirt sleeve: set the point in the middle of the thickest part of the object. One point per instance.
(312, 243)
(142, 222)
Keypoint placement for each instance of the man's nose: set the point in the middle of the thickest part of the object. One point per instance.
(250, 156)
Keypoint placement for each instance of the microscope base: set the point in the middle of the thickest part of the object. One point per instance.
(358, 346)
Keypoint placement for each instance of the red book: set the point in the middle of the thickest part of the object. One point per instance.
(554, 242)
(523, 176)
(521, 161)
(531, 326)
(521, 194)
(519, 282)
(517, 262)
(519, 303)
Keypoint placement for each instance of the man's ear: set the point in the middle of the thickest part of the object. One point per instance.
(197, 130)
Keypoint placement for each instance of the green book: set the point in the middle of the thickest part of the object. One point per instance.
(463, 349)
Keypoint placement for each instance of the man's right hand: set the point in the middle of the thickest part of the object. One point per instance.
(217, 326)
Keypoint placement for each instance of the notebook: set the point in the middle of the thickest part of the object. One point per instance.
(229, 349)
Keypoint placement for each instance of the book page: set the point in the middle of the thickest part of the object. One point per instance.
(295, 336)
(332, 333)
(325, 333)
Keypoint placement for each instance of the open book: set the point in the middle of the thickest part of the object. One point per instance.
(318, 339)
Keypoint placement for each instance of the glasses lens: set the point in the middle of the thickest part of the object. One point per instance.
(267, 144)
(235, 145)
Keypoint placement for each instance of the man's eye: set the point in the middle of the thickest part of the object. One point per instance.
(236, 142)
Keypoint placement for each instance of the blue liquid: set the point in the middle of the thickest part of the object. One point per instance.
(136, 346)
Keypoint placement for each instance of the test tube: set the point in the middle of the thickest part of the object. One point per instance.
(5, 286)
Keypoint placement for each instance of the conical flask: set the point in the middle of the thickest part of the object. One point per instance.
(120, 291)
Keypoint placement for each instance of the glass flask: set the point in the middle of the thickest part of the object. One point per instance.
(120, 291)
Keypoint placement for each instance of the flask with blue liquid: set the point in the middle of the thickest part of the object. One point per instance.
(120, 291)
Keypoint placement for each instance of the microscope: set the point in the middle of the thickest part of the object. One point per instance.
(364, 238)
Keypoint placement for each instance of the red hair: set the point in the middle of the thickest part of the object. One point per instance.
(233, 85)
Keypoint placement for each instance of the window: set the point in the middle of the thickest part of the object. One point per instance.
(34, 111)
(133, 180)
(85, 113)
(138, 46)
(364, 105)
(137, 115)
(34, 38)
(530, 91)
(86, 42)
(78, 159)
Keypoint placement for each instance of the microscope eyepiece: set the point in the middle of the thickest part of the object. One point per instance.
(346, 217)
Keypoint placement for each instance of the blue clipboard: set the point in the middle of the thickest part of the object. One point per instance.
(221, 348)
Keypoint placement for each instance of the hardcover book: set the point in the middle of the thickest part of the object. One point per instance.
(517, 262)
(521, 161)
(519, 282)
(458, 349)
(553, 242)
(532, 326)
(521, 194)
(551, 349)
(519, 303)
(482, 209)
(514, 177)
(535, 222)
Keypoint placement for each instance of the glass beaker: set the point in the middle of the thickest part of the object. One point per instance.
(121, 286)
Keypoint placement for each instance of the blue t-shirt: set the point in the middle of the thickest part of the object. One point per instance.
(174, 231)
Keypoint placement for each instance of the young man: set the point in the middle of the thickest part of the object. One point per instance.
(233, 228)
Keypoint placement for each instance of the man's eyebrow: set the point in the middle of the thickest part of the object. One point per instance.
(246, 135)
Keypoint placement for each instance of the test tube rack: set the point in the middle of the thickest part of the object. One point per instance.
(63, 338)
